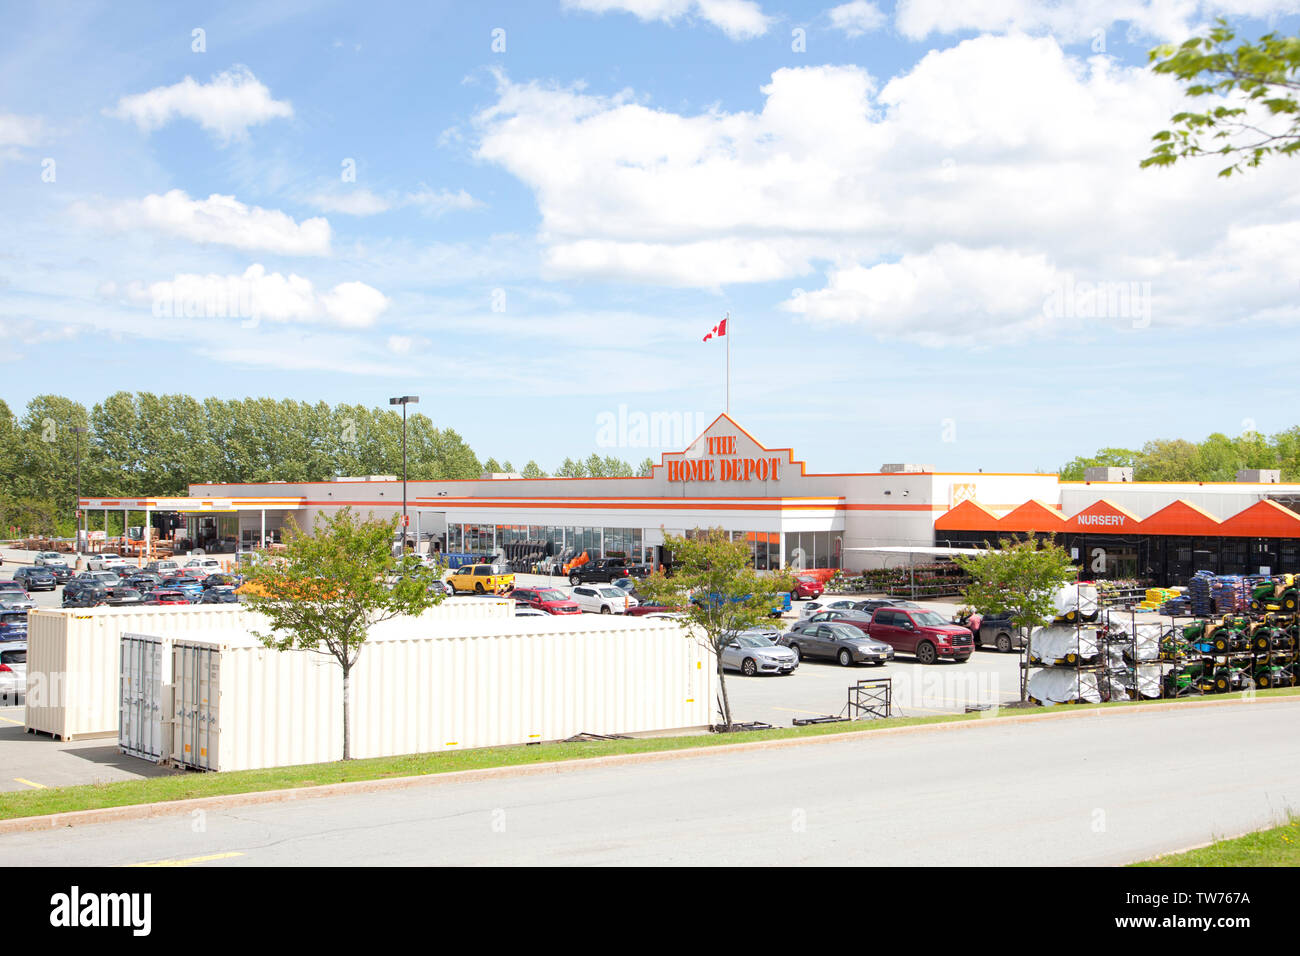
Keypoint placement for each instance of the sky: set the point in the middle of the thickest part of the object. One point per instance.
(531, 214)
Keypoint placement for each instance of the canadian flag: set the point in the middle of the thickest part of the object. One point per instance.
(719, 329)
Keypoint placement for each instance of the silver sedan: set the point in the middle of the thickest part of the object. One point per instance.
(752, 654)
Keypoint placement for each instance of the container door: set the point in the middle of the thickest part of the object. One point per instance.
(197, 672)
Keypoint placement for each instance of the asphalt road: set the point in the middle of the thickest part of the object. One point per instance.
(1121, 786)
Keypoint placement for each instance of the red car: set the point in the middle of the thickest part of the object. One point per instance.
(806, 587)
(923, 634)
(165, 597)
(550, 600)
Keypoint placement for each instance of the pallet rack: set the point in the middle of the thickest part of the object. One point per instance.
(1175, 656)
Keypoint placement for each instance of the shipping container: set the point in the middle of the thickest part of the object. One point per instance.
(459, 685)
(74, 657)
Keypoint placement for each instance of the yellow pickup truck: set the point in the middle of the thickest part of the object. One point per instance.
(481, 579)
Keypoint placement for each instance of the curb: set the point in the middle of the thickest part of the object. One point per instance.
(145, 811)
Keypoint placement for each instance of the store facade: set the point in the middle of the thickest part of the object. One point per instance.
(790, 516)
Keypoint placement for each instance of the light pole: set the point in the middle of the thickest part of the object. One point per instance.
(78, 431)
(404, 400)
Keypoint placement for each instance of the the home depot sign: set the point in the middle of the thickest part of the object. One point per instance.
(723, 464)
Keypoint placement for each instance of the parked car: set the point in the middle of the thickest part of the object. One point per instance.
(481, 579)
(163, 566)
(13, 625)
(62, 573)
(48, 557)
(191, 588)
(525, 611)
(647, 608)
(13, 597)
(219, 595)
(836, 641)
(753, 654)
(545, 600)
(206, 565)
(770, 632)
(165, 596)
(108, 580)
(13, 672)
(870, 604)
(991, 630)
(35, 579)
(124, 597)
(923, 634)
(144, 581)
(806, 587)
(603, 598)
(225, 580)
(87, 594)
(825, 604)
(602, 570)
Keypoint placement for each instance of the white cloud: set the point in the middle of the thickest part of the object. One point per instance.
(857, 18)
(957, 176)
(738, 19)
(220, 220)
(360, 201)
(256, 295)
(354, 304)
(227, 106)
(16, 130)
(1075, 19)
(18, 133)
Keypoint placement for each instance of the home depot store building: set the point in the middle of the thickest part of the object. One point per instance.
(789, 515)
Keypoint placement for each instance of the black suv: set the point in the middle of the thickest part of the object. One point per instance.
(84, 592)
(35, 579)
(602, 570)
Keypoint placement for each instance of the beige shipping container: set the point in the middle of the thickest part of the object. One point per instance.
(74, 660)
(460, 685)
(74, 657)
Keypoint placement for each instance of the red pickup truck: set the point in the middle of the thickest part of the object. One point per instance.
(923, 634)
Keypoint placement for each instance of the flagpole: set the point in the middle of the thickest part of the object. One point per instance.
(727, 318)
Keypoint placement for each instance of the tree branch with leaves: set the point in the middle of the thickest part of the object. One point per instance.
(328, 589)
(1260, 85)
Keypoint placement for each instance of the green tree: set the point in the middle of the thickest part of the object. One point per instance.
(1019, 578)
(646, 468)
(328, 589)
(1161, 460)
(491, 466)
(533, 470)
(571, 469)
(730, 595)
(1255, 85)
(1105, 457)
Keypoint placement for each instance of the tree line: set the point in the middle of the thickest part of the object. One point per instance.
(1217, 458)
(138, 444)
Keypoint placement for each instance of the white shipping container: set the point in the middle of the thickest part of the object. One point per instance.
(461, 685)
(74, 659)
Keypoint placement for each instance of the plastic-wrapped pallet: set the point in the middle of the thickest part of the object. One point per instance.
(1143, 637)
(1063, 685)
(1056, 643)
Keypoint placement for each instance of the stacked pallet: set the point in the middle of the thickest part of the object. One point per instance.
(1229, 593)
(1198, 592)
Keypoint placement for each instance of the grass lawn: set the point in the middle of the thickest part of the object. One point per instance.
(1279, 846)
(184, 786)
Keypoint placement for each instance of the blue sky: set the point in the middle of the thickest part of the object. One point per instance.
(905, 208)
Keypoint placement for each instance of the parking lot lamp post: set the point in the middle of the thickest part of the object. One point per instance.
(78, 431)
(404, 400)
